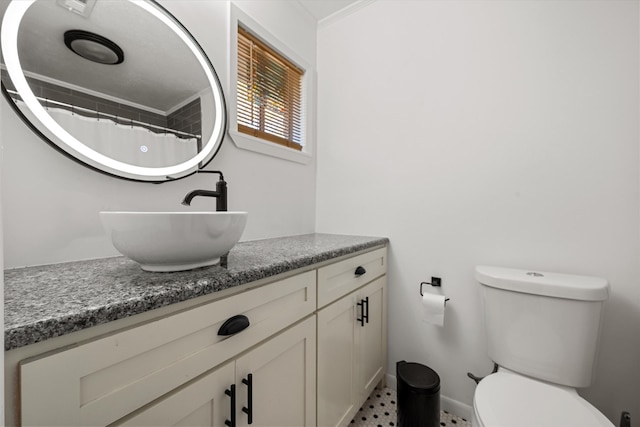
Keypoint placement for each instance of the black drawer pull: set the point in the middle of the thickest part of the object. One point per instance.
(362, 315)
(249, 410)
(360, 271)
(364, 311)
(233, 325)
(231, 392)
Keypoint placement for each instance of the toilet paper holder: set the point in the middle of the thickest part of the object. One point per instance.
(435, 281)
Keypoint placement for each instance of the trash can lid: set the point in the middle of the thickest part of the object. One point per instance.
(420, 378)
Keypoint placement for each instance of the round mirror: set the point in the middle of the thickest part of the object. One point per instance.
(119, 85)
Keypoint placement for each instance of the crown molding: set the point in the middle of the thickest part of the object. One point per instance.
(342, 13)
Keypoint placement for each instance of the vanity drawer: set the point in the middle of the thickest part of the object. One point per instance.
(338, 279)
(98, 382)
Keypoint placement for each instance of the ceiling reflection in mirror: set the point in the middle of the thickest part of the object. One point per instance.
(153, 111)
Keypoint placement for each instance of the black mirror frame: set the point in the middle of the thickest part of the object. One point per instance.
(109, 171)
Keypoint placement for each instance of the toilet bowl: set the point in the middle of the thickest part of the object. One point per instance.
(507, 399)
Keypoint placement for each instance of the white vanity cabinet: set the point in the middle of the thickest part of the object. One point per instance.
(99, 382)
(314, 350)
(351, 335)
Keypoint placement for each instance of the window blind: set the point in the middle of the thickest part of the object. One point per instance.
(269, 93)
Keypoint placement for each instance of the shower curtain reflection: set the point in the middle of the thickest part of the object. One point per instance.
(130, 144)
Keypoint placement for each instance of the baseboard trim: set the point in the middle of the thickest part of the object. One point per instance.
(392, 382)
(446, 403)
(455, 407)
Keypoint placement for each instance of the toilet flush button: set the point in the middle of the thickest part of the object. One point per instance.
(535, 274)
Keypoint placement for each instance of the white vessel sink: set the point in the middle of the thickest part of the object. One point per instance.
(174, 241)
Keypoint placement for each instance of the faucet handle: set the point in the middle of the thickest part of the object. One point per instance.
(218, 172)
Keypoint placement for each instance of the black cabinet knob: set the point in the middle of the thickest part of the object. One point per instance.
(360, 271)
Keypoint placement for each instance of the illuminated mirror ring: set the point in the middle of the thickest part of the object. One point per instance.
(50, 130)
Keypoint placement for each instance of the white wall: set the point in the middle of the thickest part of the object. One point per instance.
(51, 203)
(483, 132)
(1, 277)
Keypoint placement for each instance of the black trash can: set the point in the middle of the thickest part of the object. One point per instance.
(418, 395)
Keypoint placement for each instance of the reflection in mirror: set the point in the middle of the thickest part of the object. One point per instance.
(136, 97)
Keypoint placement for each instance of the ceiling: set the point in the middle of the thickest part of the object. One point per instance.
(145, 79)
(322, 9)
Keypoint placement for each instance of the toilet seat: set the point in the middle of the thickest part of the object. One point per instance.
(506, 399)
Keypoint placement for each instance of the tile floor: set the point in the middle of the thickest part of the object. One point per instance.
(380, 411)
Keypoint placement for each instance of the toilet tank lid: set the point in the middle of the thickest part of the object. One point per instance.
(568, 286)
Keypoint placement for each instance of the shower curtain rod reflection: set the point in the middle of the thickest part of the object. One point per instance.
(99, 115)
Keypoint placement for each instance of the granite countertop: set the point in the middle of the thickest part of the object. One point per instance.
(52, 300)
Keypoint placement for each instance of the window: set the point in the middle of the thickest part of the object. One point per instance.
(269, 88)
(271, 100)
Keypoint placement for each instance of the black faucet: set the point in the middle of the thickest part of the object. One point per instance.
(220, 194)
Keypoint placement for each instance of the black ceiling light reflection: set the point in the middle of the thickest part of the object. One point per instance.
(93, 47)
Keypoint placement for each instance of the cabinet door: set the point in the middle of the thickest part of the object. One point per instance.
(372, 342)
(202, 403)
(337, 378)
(282, 379)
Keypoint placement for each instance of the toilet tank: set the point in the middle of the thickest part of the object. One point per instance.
(543, 325)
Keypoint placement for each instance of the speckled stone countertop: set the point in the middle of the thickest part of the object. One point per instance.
(52, 300)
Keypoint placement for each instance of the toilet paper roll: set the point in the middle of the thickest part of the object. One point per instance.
(433, 309)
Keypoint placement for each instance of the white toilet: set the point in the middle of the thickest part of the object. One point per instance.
(542, 331)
